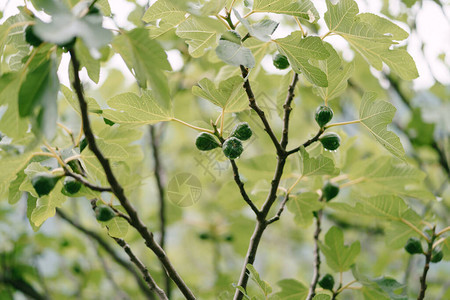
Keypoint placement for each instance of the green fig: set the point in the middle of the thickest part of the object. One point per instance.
(204, 236)
(436, 256)
(324, 114)
(104, 213)
(232, 148)
(330, 190)
(71, 185)
(413, 246)
(44, 183)
(31, 37)
(327, 282)
(280, 61)
(242, 131)
(206, 141)
(330, 141)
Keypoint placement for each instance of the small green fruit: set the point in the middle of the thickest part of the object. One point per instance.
(104, 213)
(437, 256)
(232, 148)
(330, 190)
(327, 282)
(71, 185)
(330, 141)
(242, 131)
(280, 61)
(231, 36)
(324, 114)
(413, 246)
(204, 236)
(32, 38)
(206, 141)
(44, 183)
(228, 238)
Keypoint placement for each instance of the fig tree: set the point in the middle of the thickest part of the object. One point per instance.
(206, 141)
(413, 246)
(232, 148)
(330, 141)
(327, 282)
(280, 61)
(242, 131)
(324, 114)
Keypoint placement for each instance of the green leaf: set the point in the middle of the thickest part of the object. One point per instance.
(110, 150)
(31, 205)
(66, 25)
(129, 108)
(299, 8)
(300, 50)
(446, 248)
(11, 123)
(91, 65)
(292, 289)
(371, 36)
(230, 95)
(40, 89)
(337, 74)
(322, 297)
(386, 176)
(200, 33)
(316, 166)
(235, 54)
(339, 257)
(303, 206)
(72, 99)
(263, 285)
(15, 193)
(375, 116)
(168, 14)
(146, 59)
(262, 30)
(383, 287)
(117, 227)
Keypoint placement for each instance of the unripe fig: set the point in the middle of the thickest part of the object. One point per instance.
(71, 185)
(330, 141)
(330, 190)
(280, 61)
(104, 213)
(327, 282)
(324, 114)
(242, 131)
(204, 236)
(413, 246)
(436, 256)
(44, 183)
(32, 38)
(232, 148)
(231, 36)
(206, 141)
(228, 238)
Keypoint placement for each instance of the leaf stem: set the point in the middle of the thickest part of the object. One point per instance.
(326, 34)
(346, 286)
(446, 229)
(352, 182)
(300, 26)
(295, 184)
(343, 123)
(409, 224)
(192, 126)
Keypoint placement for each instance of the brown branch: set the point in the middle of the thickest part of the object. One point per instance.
(240, 184)
(118, 190)
(307, 143)
(23, 286)
(426, 267)
(316, 274)
(280, 211)
(158, 171)
(85, 182)
(110, 251)
(287, 112)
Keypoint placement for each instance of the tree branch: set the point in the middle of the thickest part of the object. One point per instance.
(280, 211)
(110, 251)
(23, 286)
(240, 184)
(287, 112)
(118, 190)
(158, 171)
(426, 267)
(147, 277)
(85, 182)
(316, 274)
(308, 142)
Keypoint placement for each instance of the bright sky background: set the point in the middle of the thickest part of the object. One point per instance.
(433, 30)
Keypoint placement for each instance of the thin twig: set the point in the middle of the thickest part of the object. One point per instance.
(316, 274)
(110, 251)
(159, 177)
(147, 277)
(280, 210)
(307, 143)
(240, 184)
(86, 183)
(118, 190)
(426, 267)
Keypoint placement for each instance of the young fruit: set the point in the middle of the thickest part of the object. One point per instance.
(231, 36)
(32, 38)
(324, 114)
(436, 256)
(280, 61)
(327, 282)
(330, 141)
(330, 190)
(44, 183)
(413, 246)
(242, 131)
(206, 141)
(204, 236)
(71, 185)
(104, 213)
(232, 148)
